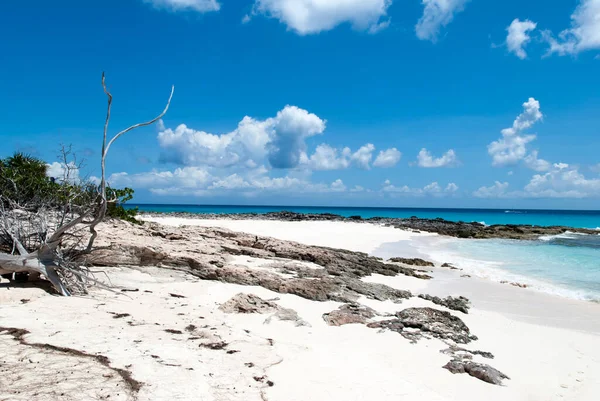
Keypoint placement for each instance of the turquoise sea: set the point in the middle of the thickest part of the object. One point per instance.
(567, 265)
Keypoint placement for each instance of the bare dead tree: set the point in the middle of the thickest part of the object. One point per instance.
(55, 230)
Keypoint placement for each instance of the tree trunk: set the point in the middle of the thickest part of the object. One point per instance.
(33, 263)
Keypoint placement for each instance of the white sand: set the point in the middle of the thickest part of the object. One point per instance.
(344, 235)
(544, 361)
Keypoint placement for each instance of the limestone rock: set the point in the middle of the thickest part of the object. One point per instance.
(349, 314)
(460, 304)
(480, 371)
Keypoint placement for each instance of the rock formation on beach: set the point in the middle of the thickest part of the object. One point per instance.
(311, 272)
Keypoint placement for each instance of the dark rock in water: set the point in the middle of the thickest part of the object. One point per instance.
(450, 266)
(349, 314)
(480, 371)
(413, 262)
(428, 322)
(460, 304)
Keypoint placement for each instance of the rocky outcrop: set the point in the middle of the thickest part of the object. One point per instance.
(413, 262)
(349, 314)
(440, 226)
(249, 303)
(207, 255)
(428, 322)
(480, 371)
(460, 303)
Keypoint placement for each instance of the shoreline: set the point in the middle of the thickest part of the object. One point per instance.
(392, 240)
(171, 332)
(465, 230)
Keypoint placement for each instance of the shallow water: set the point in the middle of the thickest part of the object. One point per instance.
(567, 265)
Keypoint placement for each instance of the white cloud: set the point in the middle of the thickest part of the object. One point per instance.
(562, 181)
(498, 190)
(182, 181)
(338, 186)
(425, 159)
(437, 14)
(518, 37)
(289, 130)
(363, 156)
(63, 172)
(200, 6)
(532, 162)
(512, 147)
(433, 189)
(314, 16)
(584, 33)
(452, 187)
(197, 181)
(281, 139)
(328, 158)
(387, 158)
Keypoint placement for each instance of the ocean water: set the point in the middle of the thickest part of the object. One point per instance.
(566, 265)
(570, 218)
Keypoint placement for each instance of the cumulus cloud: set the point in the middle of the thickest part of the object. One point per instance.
(198, 181)
(182, 181)
(289, 130)
(328, 158)
(512, 147)
(281, 139)
(437, 14)
(584, 33)
(433, 189)
(498, 190)
(532, 162)
(387, 158)
(63, 172)
(314, 16)
(518, 37)
(425, 159)
(200, 6)
(363, 156)
(562, 181)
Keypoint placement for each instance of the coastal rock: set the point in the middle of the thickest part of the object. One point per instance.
(460, 303)
(427, 322)
(459, 352)
(207, 255)
(249, 303)
(480, 371)
(439, 324)
(413, 262)
(349, 314)
(450, 266)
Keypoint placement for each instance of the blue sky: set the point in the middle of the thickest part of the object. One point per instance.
(440, 103)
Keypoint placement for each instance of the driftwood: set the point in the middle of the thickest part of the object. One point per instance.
(54, 235)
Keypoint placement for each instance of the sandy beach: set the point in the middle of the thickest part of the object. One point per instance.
(172, 334)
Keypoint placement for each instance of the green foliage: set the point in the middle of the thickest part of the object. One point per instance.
(23, 179)
(24, 183)
(116, 199)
